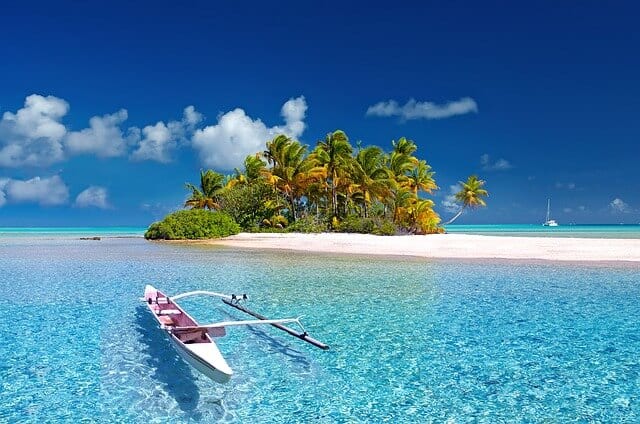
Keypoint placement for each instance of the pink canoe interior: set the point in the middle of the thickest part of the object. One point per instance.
(170, 314)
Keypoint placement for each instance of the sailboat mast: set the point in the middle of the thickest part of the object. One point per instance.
(548, 208)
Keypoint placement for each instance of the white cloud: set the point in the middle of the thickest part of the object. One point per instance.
(499, 165)
(236, 135)
(160, 140)
(567, 210)
(450, 203)
(103, 138)
(45, 191)
(33, 135)
(617, 205)
(93, 196)
(423, 110)
(191, 116)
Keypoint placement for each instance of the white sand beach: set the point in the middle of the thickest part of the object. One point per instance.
(445, 246)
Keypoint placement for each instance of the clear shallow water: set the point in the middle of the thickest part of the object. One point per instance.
(42, 232)
(412, 340)
(538, 230)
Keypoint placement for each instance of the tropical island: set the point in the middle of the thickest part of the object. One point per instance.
(332, 188)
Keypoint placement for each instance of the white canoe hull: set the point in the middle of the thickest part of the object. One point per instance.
(213, 366)
(201, 353)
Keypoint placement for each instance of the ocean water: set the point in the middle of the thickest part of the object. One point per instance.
(411, 340)
(58, 232)
(537, 230)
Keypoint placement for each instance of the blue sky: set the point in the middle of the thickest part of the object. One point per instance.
(107, 109)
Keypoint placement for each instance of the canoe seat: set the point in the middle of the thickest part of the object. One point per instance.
(162, 300)
(192, 337)
(169, 312)
(166, 320)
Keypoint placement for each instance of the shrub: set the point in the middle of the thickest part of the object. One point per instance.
(356, 224)
(308, 224)
(385, 228)
(192, 224)
(276, 221)
(249, 205)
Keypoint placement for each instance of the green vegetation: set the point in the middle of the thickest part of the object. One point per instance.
(193, 224)
(334, 187)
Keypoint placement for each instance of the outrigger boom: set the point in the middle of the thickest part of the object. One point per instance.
(301, 335)
(247, 322)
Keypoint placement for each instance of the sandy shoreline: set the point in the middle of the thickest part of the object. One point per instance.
(444, 246)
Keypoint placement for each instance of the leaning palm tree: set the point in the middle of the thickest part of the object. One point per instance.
(471, 195)
(206, 196)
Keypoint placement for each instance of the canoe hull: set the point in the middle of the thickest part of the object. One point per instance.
(201, 352)
(219, 375)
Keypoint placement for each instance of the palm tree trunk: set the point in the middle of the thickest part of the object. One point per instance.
(455, 216)
(334, 198)
(293, 207)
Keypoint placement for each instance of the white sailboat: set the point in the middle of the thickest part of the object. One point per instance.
(549, 222)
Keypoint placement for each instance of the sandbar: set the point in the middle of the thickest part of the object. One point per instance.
(444, 246)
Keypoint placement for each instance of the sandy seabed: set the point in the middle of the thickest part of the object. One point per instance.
(444, 246)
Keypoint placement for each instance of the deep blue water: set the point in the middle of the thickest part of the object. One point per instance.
(411, 340)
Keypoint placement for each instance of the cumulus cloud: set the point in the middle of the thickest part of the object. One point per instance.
(236, 135)
(450, 203)
(33, 135)
(160, 140)
(423, 110)
(103, 138)
(498, 165)
(93, 196)
(617, 205)
(44, 191)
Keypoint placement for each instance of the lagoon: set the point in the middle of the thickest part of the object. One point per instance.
(412, 340)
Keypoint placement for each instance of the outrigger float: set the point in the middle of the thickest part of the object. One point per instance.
(194, 342)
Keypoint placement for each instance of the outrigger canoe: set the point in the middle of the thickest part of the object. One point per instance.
(194, 342)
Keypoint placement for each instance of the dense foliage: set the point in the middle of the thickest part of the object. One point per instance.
(193, 224)
(334, 187)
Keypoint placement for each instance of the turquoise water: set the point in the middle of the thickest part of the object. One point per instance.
(538, 230)
(411, 340)
(72, 231)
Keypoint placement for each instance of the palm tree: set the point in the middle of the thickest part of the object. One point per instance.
(334, 153)
(421, 178)
(254, 168)
(369, 176)
(404, 146)
(471, 195)
(292, 172)
(400, 161)
(205, 196)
